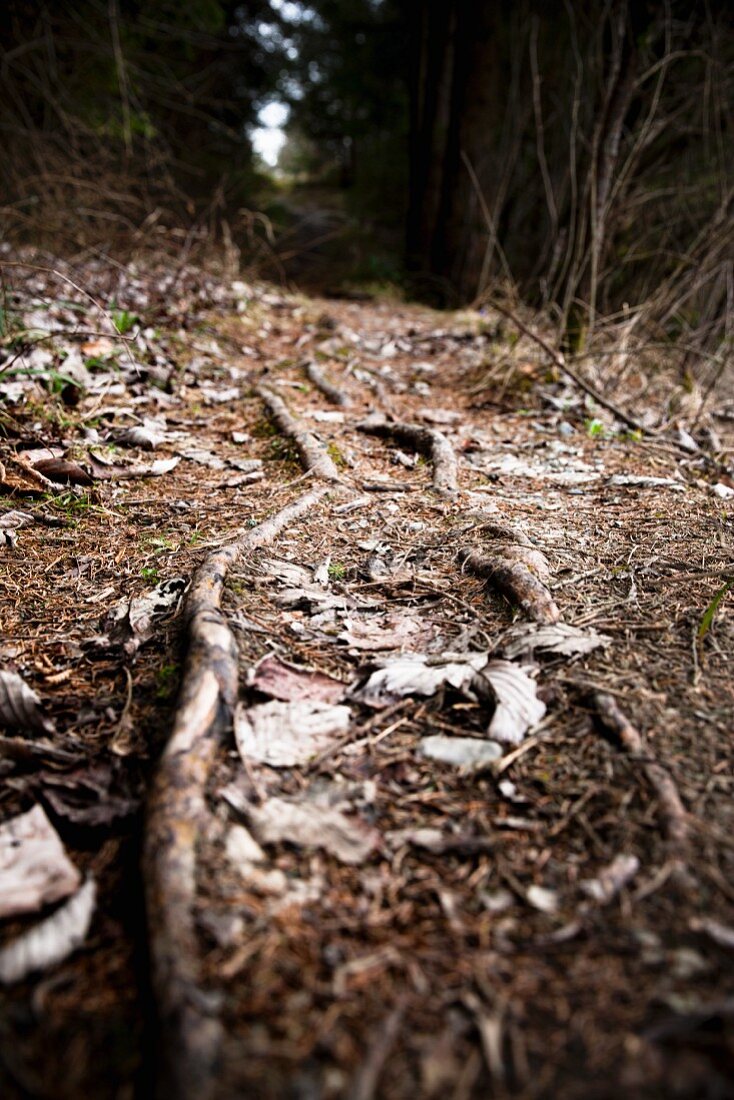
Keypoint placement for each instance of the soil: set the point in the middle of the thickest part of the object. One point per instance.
(467, 946)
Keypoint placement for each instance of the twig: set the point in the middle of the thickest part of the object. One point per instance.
(365, 1086)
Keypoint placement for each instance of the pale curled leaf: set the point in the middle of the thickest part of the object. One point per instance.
(146, 436)
(11, 521)
(246, 856)
(462, 752)
(380, 632)
(634, 481)
(560, 638)
(410, 674)
(161, 466)
(313, 826)
(286, 734)
(288, 572)
(517, 706)
(34, 868)
(20, 707)
(721, 934)
(51, 941)
(433, 840)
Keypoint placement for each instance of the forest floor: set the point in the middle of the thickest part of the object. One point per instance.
(431, 859)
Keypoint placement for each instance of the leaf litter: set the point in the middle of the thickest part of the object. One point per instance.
(20, 706)
(423, 914)
(51, 941)
(309, 824)
(290, 683)
(34, 867)
(132, 622)
(286, 734)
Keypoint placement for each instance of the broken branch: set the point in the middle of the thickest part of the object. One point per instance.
(518, 572)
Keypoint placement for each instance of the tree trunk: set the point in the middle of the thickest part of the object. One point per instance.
(454, 101)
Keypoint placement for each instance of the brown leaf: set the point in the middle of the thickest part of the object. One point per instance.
(63, 471)
(87, 796)
(289, 683)
(20, 707)
(34, 868)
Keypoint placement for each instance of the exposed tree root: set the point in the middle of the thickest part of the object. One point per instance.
(672, 810)
(314, 457)
(178, 815)
(516, 570)
(321, 382)
(428, 441)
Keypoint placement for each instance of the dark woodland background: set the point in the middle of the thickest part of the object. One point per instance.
(575, 155)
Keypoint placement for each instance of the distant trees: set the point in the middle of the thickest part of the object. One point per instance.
(134, 107)
(344, 75)
(583, 151)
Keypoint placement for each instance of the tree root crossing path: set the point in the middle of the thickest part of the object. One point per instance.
(370, 715)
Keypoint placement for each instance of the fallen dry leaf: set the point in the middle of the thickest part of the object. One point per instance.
(34, 868)
(460, 751)
(412, 674)
(721, 934)
(132, 622)
(635, 481)
(518, 707)
(560, 638)
(147, 436)
(275, 677)
(286, 734)
(63, 471)
(313, 826)
(542, 899)
(287, 572)
(613, 878)
(20, 707)
(375, 633)
(87, 796)
(52, 940)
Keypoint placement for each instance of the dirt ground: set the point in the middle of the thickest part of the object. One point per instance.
(410, 880)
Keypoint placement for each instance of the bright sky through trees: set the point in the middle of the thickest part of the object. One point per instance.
(268, 138)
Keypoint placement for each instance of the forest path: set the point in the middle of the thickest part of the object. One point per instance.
(433, 860)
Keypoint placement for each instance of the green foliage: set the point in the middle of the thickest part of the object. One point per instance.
(166, 681)
(123, 321)
(707, 619)
(335, 455)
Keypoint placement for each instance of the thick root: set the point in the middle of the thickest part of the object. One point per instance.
(178, 815)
